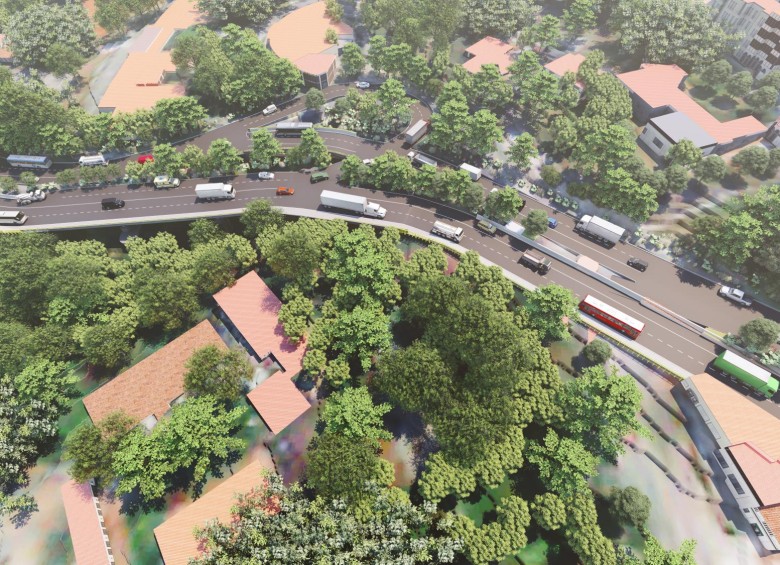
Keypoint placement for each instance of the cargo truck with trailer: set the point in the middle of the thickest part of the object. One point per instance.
(751, 375)
(215, 191)
(415, 132)
(351, 203)
(600, 229)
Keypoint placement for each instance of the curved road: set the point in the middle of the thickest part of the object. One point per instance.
(681, 292)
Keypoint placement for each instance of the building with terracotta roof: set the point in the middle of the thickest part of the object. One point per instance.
(489, 51)
(148, 389)
(300, 37)
(175, 537)
(252, 309)
(568, 63)
(6, 57)
(671, 114)
(148, 74)
(748, 440)
(85, 522)
(758, 23)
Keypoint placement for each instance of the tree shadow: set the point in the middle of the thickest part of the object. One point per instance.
(609, 525)
(694, 280)
(702, 92)
(734, 181)
(724, 103)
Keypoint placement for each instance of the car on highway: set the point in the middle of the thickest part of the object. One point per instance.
(637, 264)
(265, 175)
(368, 162)
(112, 203)
(735, 295)
(30, 197)
(268, 110)
(552, 222)
(318, 177)
(144, 158)
(363, 84)
(487, 227)
(285, 191)
(164, 181)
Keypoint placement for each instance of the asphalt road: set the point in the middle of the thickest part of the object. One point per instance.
(676, 289)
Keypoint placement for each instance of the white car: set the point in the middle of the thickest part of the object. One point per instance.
(263, 175)
(735, 295)
(269, 110)
(164, 181)
(30, 197)
(363, 84)
(368, 162)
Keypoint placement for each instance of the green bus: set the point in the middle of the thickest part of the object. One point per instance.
(749, 374)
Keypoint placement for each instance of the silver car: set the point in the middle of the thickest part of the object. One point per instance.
(735, 295)
(363, 84)
(264, 175)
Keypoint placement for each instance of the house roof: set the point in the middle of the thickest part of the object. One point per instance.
(659, 86)
(302, 32)
(769, 6)
(316, 63)
(568, 63)
(740, 419)
(772, 518)
(678, 126)
(86, 531)
(761, 472)
(175, 536)
(278, 401)
(5, 53)
(148, 387)
(253, 309)
(487, 51)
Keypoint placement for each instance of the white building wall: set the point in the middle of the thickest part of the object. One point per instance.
(655, 141)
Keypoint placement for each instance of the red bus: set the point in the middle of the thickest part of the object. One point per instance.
(612, 316)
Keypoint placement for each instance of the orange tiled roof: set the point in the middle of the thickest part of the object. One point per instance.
(302, 32)
(5, 53)
(86, 532)
(487, 51)
(569, 63)
(741, 420)
(254, 309)
(315, 63)
(761, 472)
(175, 536)
(278, 401)
(148, 387)
(772, 517)
(658, 86)
(769, 6)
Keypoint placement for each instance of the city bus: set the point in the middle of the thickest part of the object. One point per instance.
(12, 218)
(612, 316)
(292, 129)
(28, 162)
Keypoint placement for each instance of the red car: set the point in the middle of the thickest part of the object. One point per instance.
(144, 158)
(285, 191)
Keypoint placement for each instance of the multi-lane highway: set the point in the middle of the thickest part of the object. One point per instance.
(664, 283)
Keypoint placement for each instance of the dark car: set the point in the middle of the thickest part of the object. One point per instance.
(112, 203)
(487, 227)
(552, 222)
(637, 264)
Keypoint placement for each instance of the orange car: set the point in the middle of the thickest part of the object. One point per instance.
(285, 191)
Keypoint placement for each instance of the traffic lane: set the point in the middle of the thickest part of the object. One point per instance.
(675, 288)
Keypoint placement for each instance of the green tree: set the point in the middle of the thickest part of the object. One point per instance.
(108, 341)
(711, 168)
(630, 506)
(113, 15)
(486, 88)
(547, 306)
(223, 157)
(717, 73)
(352, 60)
(315, 99)
(738, 84)
(295, 313)
(23, 284)
(250, 11)
(544, 33)
(603, 149)
(92, 447)
(339, 466)
(62, 60)
(427, 262)
(165, 298)
(167, 161)
(684, 153)
(623, 194)
(522, 150)
(258, 216)
(310, 152)
(389, 529)
(675, 179)
(582, 531)
(550, 175)
(334, 10)
(353, 414)
(759, 335)
(579, 16)
(772, 78)
(600, 409)
(489, 282)
(563, 463)
(689, 37)
(265, 148)
(497, 17)
(178, 117)
(535, 223)
(221, 374)
(483, 133)
(549, 511)
(752, 160)
(203, 231)
(763, 99)
(597, 352)
(195, 437)
(504, 204)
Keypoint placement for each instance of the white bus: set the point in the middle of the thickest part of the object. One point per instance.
(28, 161)
(292, 129)
(12, 218)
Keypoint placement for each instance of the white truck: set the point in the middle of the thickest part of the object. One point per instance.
(445, 230)
(600, 229)
(415, 132)
(474, 172)
(418, 160)
(215, 191)
(351, 203)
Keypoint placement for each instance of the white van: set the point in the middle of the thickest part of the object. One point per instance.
(448, 231)
(92, 160)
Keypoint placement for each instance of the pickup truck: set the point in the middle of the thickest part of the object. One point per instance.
(735, 295)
